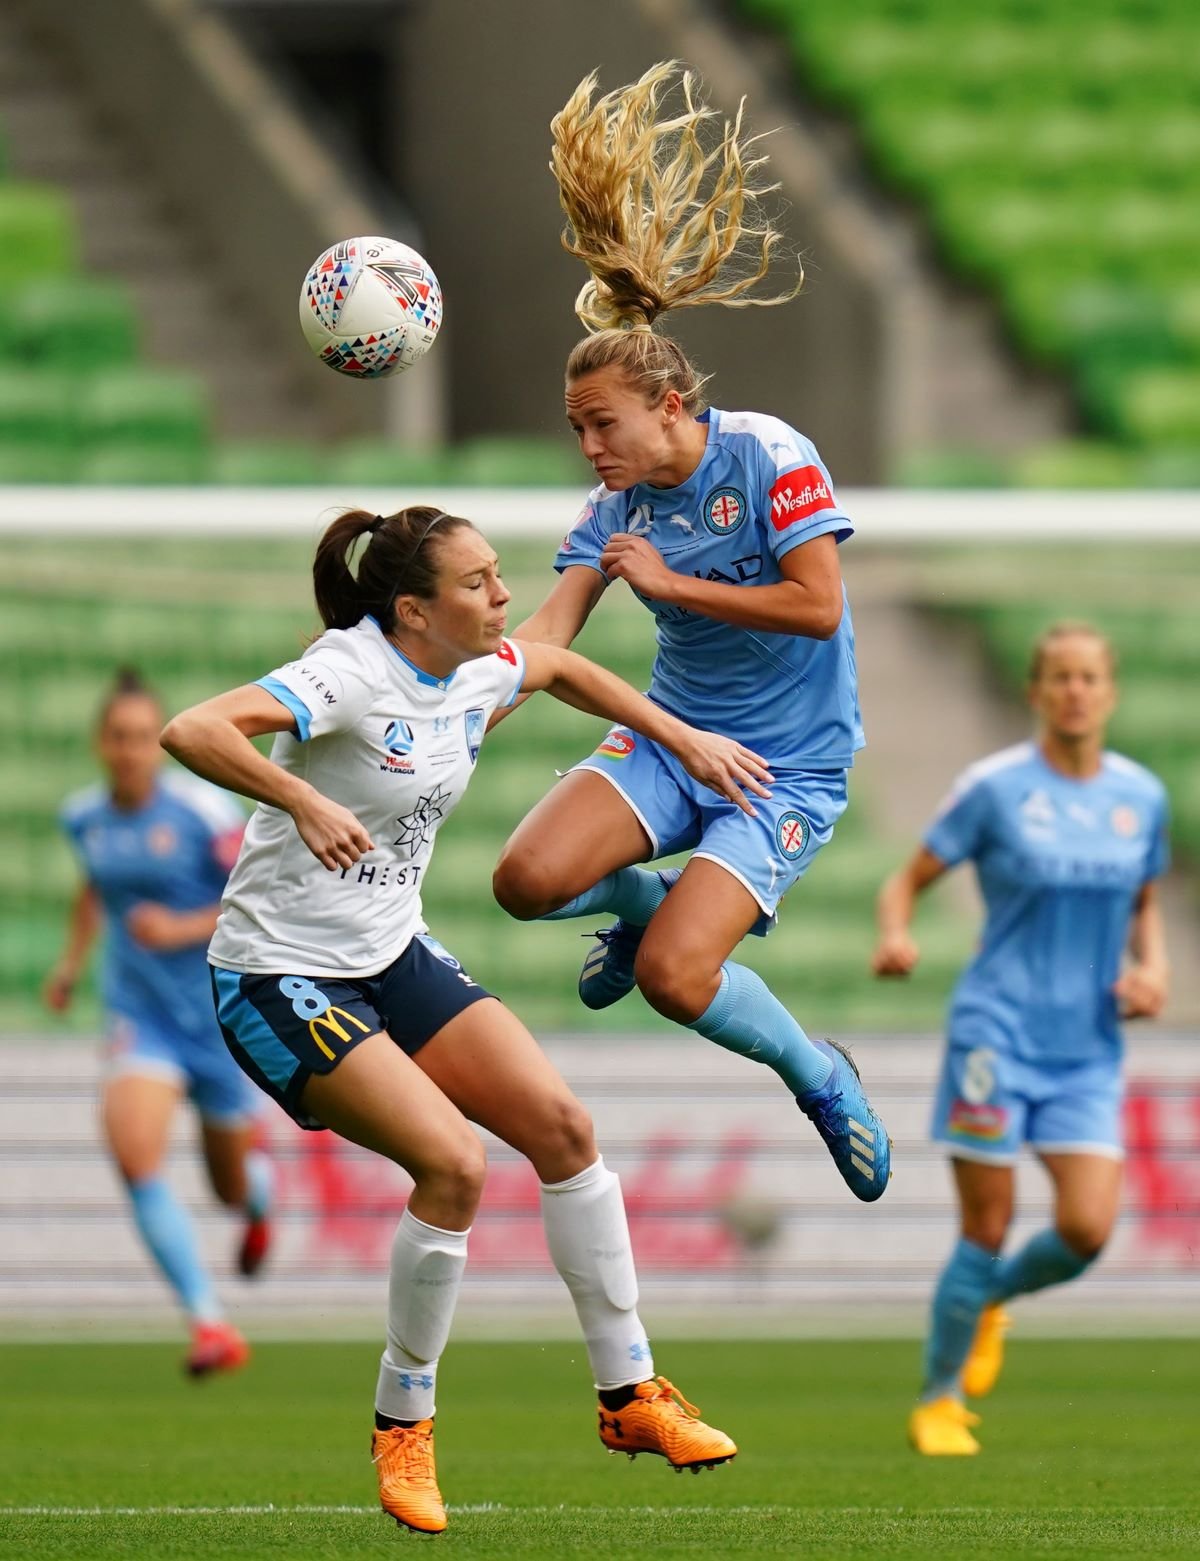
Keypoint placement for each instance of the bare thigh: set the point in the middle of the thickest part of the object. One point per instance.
(379, 1098)
(985, 1196)
(579, 832)
(136, 1110)
(693, 932)
(1087, 1195)
(489, 1065)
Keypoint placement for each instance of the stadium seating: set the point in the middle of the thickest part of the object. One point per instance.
(1055, 152)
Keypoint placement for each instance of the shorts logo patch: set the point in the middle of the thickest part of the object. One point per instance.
(617, 745)
(988, 1124)
(978, 1075)
(791, 835)
(724, 511)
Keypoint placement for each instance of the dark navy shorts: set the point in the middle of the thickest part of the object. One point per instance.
(282, 1029)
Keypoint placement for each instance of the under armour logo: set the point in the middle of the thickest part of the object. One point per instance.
(408, 1381)
(611, 1423)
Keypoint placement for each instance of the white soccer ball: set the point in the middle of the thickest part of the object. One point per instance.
(370, 306)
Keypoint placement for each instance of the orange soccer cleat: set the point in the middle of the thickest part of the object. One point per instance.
(658, 1419)
(987, 1352)
(408, 1490)
(215, 1347)
(254, 1246)
(942, 1428)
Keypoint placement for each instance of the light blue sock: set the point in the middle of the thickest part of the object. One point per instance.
(167, 1230)
(1044, 1260)
(965, 1286)
(747, 1018)
(632, 893)
(260, 1184)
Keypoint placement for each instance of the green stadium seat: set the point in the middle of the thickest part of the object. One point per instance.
(1161, 406)
(70, 323)
(1076, 463)
(141, 407)
(132, 462)
(282, 463)
(37, 235)
(372, 461)
(518, 462)
(952, 468)
(38, 428)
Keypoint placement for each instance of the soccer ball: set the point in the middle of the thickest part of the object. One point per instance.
(370, 306)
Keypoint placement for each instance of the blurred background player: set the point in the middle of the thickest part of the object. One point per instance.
(155, 847)
(726, 527)
(1067, 840)
(335, 1000)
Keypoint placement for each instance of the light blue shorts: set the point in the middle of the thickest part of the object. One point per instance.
(767, 854)
(989, 1103)
(202, 1068)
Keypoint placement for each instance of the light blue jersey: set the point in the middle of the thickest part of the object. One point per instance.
(1060, 865)
(176, 851)
(759, 491)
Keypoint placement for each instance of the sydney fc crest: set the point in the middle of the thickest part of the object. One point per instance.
(475, 727)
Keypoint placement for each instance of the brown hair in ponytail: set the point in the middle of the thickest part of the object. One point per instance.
(127, 683)
(400, 559)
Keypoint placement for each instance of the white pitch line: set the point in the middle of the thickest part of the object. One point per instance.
(269, 1509)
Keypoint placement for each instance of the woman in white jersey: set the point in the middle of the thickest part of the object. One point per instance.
(334, 998)
(725, 526)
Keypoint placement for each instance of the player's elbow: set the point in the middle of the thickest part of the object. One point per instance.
(175, 736)
(826, 618)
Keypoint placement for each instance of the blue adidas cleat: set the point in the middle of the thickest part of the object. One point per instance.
(607, 974)
(846, 1120)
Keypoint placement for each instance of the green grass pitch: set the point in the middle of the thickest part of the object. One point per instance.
(1092, 1448)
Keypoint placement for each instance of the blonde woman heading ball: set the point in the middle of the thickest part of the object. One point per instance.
(725, 526)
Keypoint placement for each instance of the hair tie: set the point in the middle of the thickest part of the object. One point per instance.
(375, 524)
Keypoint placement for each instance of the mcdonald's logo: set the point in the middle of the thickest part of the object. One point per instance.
(331, 1022)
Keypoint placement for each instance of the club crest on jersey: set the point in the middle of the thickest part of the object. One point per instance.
(474, 725)
(617, 745)
(161, 840)
(398, 740)
(791, 835)
(724, 511)
(1124, 821)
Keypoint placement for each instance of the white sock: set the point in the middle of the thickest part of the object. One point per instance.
(427, 1268)
(588, 1237)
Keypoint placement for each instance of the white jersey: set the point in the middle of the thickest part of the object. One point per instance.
(397, 747)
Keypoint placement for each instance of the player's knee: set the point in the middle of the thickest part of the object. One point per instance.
(452, 1179)
(671, 985)
(1086, 1233)
(567, 1141)
(987, 1227)
(523, 886)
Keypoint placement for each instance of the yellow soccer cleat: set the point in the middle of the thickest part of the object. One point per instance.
(658, 1419)
(408, 1491)
(941, 1429)
(987, 1352)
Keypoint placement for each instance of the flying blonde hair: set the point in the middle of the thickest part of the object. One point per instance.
(663, 214)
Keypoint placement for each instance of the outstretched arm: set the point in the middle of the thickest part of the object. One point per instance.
(896, 953)
(720, 763)
(213, 739)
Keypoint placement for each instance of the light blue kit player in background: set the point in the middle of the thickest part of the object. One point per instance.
(1067, 841)
(155, 848)
(725, 526)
